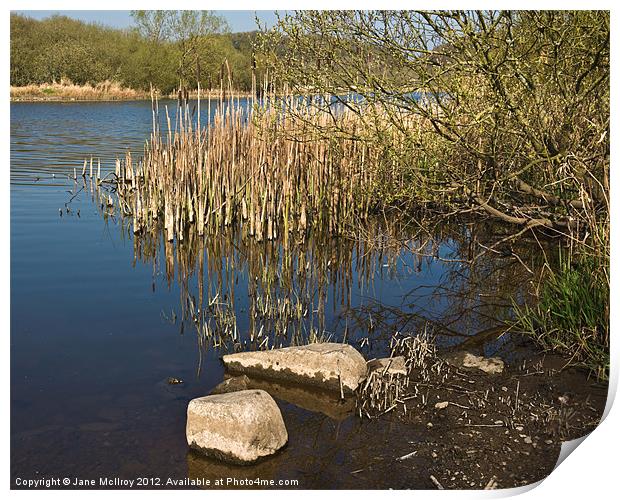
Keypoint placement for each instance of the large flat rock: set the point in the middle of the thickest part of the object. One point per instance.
(326, 365)
(240, 427)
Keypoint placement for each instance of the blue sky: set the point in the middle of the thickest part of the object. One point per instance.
(239, 20)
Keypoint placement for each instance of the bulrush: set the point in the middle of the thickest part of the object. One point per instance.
(261, 165)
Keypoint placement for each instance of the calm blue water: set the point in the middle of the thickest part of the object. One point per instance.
(91, 345)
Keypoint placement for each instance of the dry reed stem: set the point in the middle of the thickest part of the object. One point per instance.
(253, 166)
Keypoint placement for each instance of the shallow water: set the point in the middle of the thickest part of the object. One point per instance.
(96, 315)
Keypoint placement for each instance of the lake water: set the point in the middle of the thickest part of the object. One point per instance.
(96, 316)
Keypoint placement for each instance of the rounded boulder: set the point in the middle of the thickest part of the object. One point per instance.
(239, 427)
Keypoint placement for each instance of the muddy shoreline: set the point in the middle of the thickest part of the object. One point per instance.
(461, 429)
(486, 436)
(500, 431)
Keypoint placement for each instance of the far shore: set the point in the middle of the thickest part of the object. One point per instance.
(104, 92)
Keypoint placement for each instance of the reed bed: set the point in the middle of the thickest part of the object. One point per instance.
(261, 165)
(286, 291)
(239, 293)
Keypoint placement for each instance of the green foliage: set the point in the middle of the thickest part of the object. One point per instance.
(166, 47)
(571, 315)
(191, 32)
(177, 25)
(509, 100)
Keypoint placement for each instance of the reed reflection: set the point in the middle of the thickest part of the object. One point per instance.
(400, 273)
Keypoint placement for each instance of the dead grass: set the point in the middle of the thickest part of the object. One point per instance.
(67, 91)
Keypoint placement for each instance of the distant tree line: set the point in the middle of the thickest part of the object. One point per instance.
(165, 49)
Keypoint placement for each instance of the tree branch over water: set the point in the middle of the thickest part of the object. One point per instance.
(513, 106)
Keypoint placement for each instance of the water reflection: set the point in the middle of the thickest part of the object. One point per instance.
(400, 273)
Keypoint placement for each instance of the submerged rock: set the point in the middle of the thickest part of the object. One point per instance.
(173, 391)
(233, 384)
(465, 359)
(389, 366)
(326, 365)
(308, 397)
(240, 427)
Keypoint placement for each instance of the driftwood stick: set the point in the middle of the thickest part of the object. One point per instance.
(436, 483)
